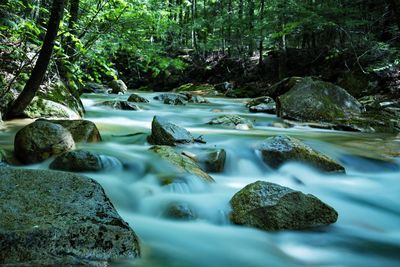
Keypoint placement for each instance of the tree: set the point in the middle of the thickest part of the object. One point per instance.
(38, 72)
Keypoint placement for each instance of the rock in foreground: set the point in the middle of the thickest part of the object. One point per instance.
(84, 161)
(277, 150)
(53, 218)
(272, 207)
(40, 140)
(166, 133)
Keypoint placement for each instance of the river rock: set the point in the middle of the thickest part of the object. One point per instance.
(179, 211)
(84, 161)
(137, 99)
(172, 99)
(3, 159)
(51, 218)
(312, 100)
(214, 160)
(272, 207)
(43, 108)
(91, 87)
(277, 150)
(40, 140)
(264, 104)
(183, 164)
(119, 104)
(232, 121)
(118, 87)
(164, 132)
(82, 130)
(283, 86)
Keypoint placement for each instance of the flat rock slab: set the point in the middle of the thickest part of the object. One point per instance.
(280, 149)
(49, 218)
(272, 207)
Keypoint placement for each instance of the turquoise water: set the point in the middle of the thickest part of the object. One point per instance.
(366, 197)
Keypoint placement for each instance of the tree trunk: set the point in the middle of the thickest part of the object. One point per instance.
(261, 33)
(38, 72)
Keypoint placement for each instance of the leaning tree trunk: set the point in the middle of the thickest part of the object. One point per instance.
(38, 72)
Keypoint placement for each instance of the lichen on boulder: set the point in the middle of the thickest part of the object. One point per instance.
(51, 218)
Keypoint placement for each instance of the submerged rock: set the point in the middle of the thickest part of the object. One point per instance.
(272, 207)
(40, 140)
(182, 163)
(311, 100)
(118, 87)
(84, 161)
(3, 159)
(51, 218)
(179, 211)
(164, 132)
(137, 99)
(119, 104)
(232, 121)
(263, 104)
(277, 150)
(81, 130)
(43, 108)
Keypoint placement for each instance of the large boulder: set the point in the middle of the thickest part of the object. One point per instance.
(164, 132)
(277, 150)
(43, 108)
(312, 100)
(119, 104)
(272, 207)
(182, 163)
(264, 104)
(118, 87)
(40, 140)
(137, 99)
(232, 121)
(51, 218)
(82, 130)
(84, 161)
(283, 86)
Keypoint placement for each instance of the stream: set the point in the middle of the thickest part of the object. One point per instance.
(367, 197)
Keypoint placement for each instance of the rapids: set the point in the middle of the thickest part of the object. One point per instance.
(366, 197)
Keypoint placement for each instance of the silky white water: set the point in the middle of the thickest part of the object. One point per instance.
(366, 197)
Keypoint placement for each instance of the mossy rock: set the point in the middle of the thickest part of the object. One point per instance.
(59, 93)
(275, 151)
(166, 133)
(198, 89)
(272, 207)
(51, 218)
(43, 108)
(41, 140)
(311, 100)
(183, 164)
(232, 121)
(82, 131)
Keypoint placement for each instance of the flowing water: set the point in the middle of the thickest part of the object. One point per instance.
(366, 197)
